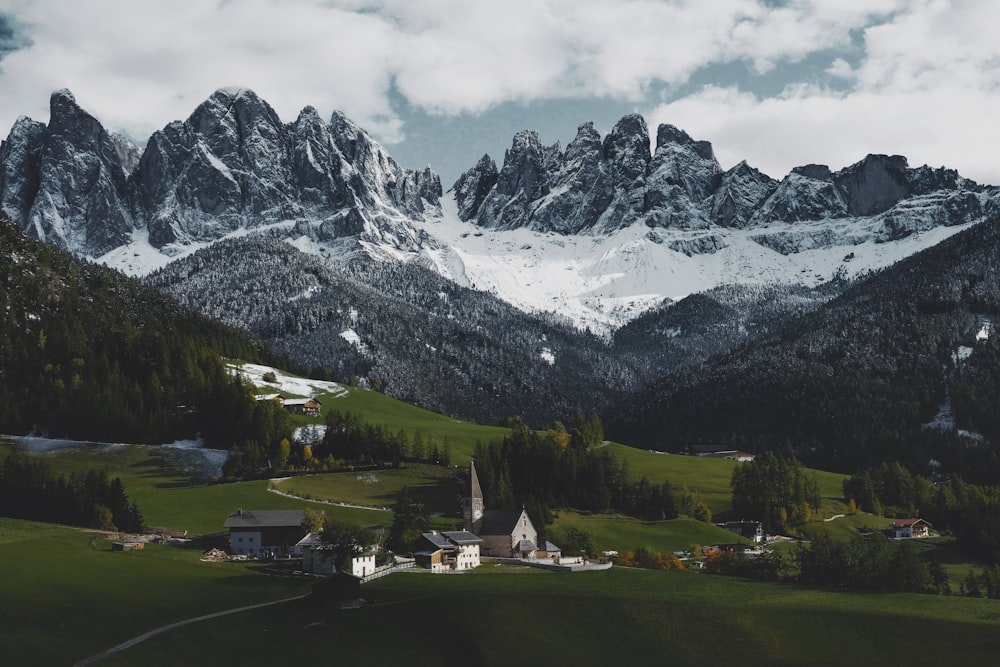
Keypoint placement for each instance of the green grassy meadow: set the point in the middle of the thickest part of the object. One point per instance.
(65, 582)
(711, 477)
(621, 616)
(395, 415)
(612, 532)
(435, 486)
(66, 595)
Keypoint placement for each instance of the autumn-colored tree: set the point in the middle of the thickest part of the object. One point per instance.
(558, 434)
(625, 559)
(313, 521)
(667, 561)
(284, 451)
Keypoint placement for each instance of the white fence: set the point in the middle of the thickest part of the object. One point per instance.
(384, 570)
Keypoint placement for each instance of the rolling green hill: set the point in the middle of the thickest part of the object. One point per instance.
(494, 616)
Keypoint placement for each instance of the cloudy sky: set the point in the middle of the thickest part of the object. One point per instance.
(440, 82)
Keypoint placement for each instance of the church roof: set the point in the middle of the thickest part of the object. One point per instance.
(526, 545)
(499, 522)
(475, 491)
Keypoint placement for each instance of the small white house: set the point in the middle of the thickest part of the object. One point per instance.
(317, 557)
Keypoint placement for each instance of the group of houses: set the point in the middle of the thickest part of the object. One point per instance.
(268, 534)
(493, 533)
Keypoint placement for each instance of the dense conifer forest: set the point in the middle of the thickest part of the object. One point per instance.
(860, 380)
(87, 353)
(28, 490)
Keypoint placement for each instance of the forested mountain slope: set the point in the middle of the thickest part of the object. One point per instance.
(408, 331)
(86, 352)
(901, 366)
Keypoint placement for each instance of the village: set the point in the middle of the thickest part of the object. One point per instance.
(487, 536)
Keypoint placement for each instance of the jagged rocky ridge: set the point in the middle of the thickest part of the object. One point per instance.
(231, 165)
(597, 186)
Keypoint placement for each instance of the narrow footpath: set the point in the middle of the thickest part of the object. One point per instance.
(167, 628)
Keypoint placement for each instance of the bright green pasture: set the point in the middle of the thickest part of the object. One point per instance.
(711, 476)
(139, 466)
(621, 616)
(376, 408)
(621, 533)
(845, 527)
(203, 509)
(435, 486)
(67, 596)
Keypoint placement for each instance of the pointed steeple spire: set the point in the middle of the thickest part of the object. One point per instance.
(473, 507)
(475, 491)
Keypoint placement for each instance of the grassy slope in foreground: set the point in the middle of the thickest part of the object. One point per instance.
(67, 596)
(608, 617)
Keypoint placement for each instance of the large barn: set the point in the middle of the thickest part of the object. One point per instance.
(265, 533)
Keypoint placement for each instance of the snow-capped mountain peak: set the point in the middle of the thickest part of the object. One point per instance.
(596, 233)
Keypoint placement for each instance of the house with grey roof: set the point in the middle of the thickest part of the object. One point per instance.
(448, 551)
(265, 533)
(303, 406)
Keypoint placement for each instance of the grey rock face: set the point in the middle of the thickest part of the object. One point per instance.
(127, 151)
(74, 179)
(600, 186)
(20, 156)
(805, 194)
(681, 175)
(231, 165)
(521, 181)
(580, 187)
(741, 191)
(873, 185)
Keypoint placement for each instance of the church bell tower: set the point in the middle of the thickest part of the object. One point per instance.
(473, 507)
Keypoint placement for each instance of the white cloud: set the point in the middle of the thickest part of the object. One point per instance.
(949, 127)
(927, 88)
(921, 86)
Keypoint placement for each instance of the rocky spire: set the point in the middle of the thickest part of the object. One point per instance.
(81, 198)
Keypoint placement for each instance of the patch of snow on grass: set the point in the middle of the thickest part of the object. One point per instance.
(190, 456)
(547, 356)
(288, 384)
